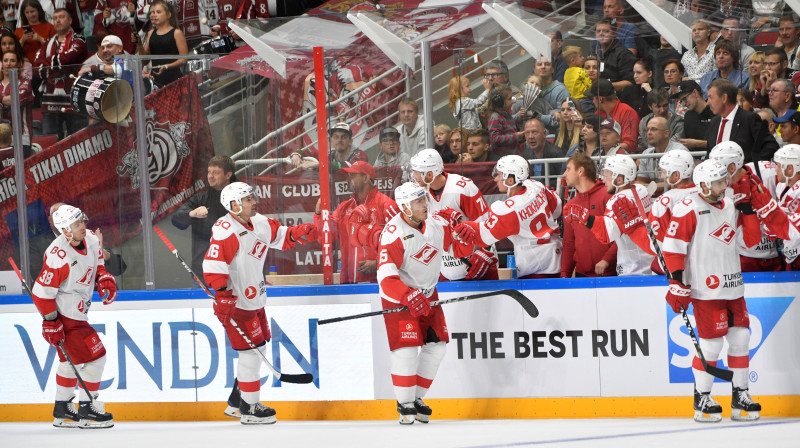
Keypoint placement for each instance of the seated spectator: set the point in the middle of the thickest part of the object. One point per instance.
(609, 138)
(614, 10)
(569, 129)
(6, 150)
(556, 55)
(584, 255)
(732, 30)
(478, 148)
(553, 92)
(754, 67)
(592, 68)
(576, 80)
(781, 98)
(539, 108)
(768, 116)
(351, 222)
(775, 67)
(789, 127)
(33, 30)
(411, 127)
(697, 117)
(390, 154)
(463, 108)
(700, 59)
(502, 129)
(538, 147)
(441, 134)
(659, 141)
(57, 63)
(115, 17)
(25, 98)
(617, 60)
(658, 102)
(767, 13)
(342, 155)
(589, 143)
(495, 74)
(608, 105)
(726, 58)
(673, 74)
(457, 137)
(636, 95)
(165, 39)
(664, 53)
(788, 36)
(9, 42)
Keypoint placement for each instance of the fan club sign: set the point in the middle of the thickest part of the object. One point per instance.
(97, 170)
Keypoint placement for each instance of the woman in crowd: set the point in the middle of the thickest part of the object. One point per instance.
(539, 108)
(35, 29)
(458, 136)
(569, 130)
(9, 42)
(673, 74)
(503, 134)
(11, 60)
(636, 95)
(463, 108)
(165, 39)
(754, 67)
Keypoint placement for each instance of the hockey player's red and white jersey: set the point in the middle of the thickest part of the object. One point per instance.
(528, 220)
(68, 275)
(459, 193)
(236, 256)
(788, 199)
(701, 240)
(661, 212)
(631, 259)
(409, 257)
(766, 248)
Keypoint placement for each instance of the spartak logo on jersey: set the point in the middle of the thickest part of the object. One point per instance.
(712, 281)
(426, 254)
(167, 146)
(724, 233)
(250, 292)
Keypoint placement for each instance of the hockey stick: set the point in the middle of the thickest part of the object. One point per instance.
(722, 374)
(526, 304)
(60, 343)
(303, 378)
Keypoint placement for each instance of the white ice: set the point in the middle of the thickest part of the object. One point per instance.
(617, 433)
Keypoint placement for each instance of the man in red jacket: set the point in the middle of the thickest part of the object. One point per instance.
(593, 259)
(357, 224)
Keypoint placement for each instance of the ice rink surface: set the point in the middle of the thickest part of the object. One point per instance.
(643, 432)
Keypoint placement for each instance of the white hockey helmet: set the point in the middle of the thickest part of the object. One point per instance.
(406, 193)
(66, 215)
(235, 192)
(679, 161)
(513, 165)
(621, 165)
(787, 156)
(427, 160)
(727, 153)
(709, 171)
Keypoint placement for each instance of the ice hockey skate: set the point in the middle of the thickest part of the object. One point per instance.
(232, 410)
(423, 411)
(256, 414)
(66, 414)
(743, 408)
(408, 413)
(93, 415)
(706, 410)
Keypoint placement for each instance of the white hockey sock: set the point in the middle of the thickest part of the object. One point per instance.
(429, 360)
(739, 355)
(92, 372)
(711, 348)
(249, 376)
(65, 382)
(404, 373)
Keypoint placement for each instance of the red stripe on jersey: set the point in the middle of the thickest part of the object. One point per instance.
(92, 386)
(250, 386)
(499, 226)
(424, 382)
(697, 364)
(599, 229)
(751, 227)
(45, 305)
(473, 207)
(66, 382)
(738, 362)
(392, 254)
(403, 381)
(274, 226)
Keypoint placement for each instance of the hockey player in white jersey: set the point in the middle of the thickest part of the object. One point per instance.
(409, 263)
(622, 223)
(758, 251)
(459, 193)
(234, 268)
(73, 265)
(527, 218)
(700, 252)
(675, 169)
(787, 193)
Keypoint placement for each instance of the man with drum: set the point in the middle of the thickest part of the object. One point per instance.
(101, 64)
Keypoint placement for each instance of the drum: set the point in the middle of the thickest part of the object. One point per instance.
(219, 45)
(108, 99)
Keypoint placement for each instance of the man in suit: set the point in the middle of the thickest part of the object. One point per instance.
(732, 123)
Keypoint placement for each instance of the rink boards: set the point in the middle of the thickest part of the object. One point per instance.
(600, 347)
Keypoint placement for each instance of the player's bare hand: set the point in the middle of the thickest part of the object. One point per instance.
(368, 266)
(200, 212)
(600, 267)
(296, 160)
